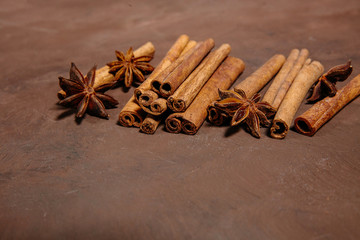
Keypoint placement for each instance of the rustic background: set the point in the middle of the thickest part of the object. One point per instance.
(98, 180)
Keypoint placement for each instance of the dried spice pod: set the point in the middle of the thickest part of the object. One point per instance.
(103, 77)
(325, 86)
(251, 85)
(82, 94)
(128, 68)
(245, 110)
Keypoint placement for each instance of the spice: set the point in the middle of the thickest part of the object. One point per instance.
(128, 67)
(250, 86)
(183, 70)
(132, 115)
(81, 93)
(191, 120)
(283, 80)
(325, 86)
(321, 112)
(246, 110)
(186, 93)
(293, 98)
(102, 75)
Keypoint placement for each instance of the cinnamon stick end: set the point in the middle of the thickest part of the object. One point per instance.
(189, 128)
(279, 129)
(173, 125)
(127, 119)
(304, 127)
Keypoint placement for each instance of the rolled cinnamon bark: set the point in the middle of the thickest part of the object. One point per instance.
(157, 107)
(278, 80)
(158, 80)
(293, 98)
(321, 112)
(191, 120)
(169, 58)
(131, 115)
(185, 94)
(288, 80)
(183, 70)
(102, 75)
(147, 97)
(150, 124)
(258, 79)
(216, 116)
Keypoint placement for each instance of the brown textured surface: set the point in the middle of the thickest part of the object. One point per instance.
(60, 179)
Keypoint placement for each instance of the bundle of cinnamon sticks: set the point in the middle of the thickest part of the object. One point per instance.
(181, 87)
(190, 84)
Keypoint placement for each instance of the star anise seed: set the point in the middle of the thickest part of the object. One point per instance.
(127, 67)
(245, 110)
(325, 86)
(82, 95)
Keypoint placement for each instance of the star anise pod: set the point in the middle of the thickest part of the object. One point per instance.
(245, 110)
(81, 93)
(325, 86)
(128, 67)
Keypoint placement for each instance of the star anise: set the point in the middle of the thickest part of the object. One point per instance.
(325, 86)
(246, 110)
(81, 93)
(128, 67)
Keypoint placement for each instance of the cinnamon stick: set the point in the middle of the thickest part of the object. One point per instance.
(293, 98)
(158, 80)
(191, 120)
(321, 112)
(173, 53)
(183, 70)
(251, 85)
(102, 75)
(258, 79)
(150, 124)
(185, 94)
(147, 97)
(287, 81)
(131, 115)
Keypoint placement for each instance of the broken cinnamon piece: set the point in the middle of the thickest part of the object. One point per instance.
(158, 80)
(150, 124)
(102, 75)
(183, 70)
(321, 112)
(185, 94)
(191, 120)
(293, 98)
(174, 52)
(131, 115)
(258, 79)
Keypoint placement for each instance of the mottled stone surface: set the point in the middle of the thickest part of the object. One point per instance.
(97, 180)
